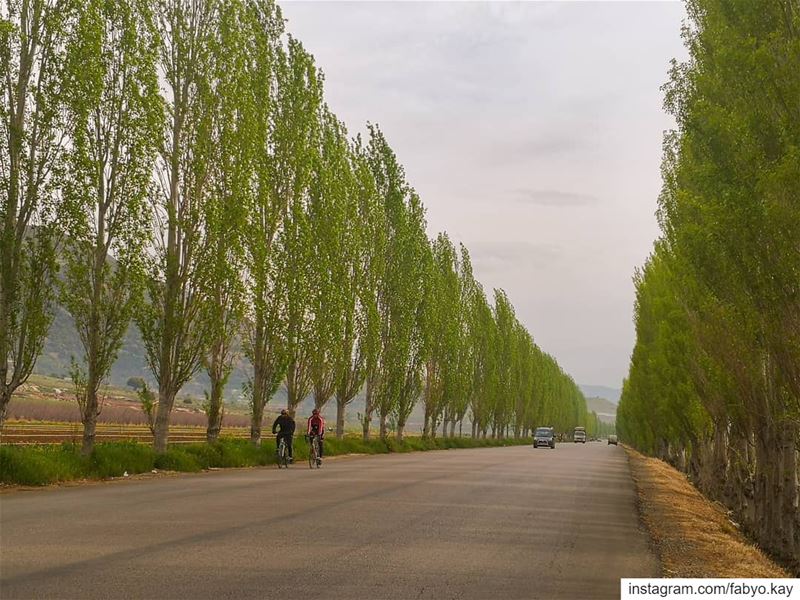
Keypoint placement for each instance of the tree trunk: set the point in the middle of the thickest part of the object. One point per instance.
(736, 478)
(474, 429)
(383, 429)
(89, 416)
(89, 425)
(214, 412)
(255, 424)
(762, 489)
(719, 458)
(452, 428)
(5, 398)
(341, 404)
(788, 500)
(258, 402)
(166, 398)
(369, 407)
(365, 427)
(400, 429)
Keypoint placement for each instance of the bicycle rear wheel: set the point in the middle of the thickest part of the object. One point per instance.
(281, 454)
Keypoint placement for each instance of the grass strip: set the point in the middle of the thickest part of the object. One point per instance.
(36, 465)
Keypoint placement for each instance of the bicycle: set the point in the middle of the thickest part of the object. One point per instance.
(283, 454)
(313, 452)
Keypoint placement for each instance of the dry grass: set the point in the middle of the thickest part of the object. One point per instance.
(693, 536)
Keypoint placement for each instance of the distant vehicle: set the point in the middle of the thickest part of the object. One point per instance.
(544, 436)
(579, 435)
(612, 439)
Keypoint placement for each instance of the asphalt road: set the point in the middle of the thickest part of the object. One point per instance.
(497, 523)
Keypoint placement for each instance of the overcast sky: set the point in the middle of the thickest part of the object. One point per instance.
(532, 131)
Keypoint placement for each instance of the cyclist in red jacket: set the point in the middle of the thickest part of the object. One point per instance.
(316, 426)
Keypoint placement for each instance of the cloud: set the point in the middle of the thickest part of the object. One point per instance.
(556, 198)
(497, 253)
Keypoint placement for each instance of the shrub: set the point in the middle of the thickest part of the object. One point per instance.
(177, 459)
(113, 459)
(242, 453)
(206, 455)
(136, 383)
(40, 465)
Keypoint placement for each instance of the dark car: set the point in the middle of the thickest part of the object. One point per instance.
(544, 436)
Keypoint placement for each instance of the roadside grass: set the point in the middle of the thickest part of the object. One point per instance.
(693, 536)
(36, 465)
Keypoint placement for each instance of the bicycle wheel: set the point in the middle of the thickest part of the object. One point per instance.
(312, 456)
(281, 454)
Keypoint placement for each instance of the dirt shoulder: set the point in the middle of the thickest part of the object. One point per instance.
(693, 536)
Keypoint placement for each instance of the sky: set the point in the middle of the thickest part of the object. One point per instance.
(532, 132)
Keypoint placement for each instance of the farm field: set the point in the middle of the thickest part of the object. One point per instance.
(47, 432)
(44, 410)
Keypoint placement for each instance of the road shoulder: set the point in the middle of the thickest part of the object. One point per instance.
(692, 535)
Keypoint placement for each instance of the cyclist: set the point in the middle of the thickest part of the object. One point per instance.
(284, 423)
(316, 426)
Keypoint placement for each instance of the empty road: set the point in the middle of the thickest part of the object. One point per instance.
(484, 523)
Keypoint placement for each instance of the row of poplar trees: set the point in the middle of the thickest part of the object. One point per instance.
(714, 383)
(173, 163)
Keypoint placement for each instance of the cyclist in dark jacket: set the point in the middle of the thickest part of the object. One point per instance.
(284, 423)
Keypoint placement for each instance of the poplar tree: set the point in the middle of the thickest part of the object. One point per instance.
(270, 128)
(234, 128)
(505, 358)
(457, 391)
(356, 272)
(301, 100)
(373, 238)
(441, 330)
(481, 337)
(114, 115)
(331, 223)
(400, 297)
(171, 319)
(31, 54)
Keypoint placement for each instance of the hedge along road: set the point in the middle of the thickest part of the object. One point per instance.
(481, 523)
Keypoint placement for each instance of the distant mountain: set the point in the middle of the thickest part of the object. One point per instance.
(62, 344)
(605, 409)
(601, 391)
